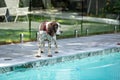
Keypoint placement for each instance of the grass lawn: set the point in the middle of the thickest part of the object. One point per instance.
(11, 33)
(13, 36)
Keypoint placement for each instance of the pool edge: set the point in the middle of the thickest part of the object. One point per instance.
(51, 61)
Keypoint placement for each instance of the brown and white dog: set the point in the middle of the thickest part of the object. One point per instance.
(48, 32)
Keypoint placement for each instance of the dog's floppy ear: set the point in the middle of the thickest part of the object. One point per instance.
(51, 30)
(54, 26)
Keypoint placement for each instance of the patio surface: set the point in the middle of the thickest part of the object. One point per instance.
(14, 54)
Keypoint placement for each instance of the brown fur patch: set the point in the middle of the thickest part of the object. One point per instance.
(52, 28)
(43, 26)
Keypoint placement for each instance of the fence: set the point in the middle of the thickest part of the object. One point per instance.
(71, 26)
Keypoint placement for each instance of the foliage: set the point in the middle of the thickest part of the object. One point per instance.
(116, 7)
(108, 7)
(112, 7)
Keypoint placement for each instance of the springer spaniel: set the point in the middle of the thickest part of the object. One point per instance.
(48, 32)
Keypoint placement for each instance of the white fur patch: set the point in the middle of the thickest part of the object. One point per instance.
(47, 23)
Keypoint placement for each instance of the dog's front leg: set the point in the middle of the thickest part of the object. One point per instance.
(55, 43)
(49, 49)
(56, 47)
(42, 47)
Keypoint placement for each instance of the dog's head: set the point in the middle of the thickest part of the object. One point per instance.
(54, 28)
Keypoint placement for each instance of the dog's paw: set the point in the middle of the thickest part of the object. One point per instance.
(118, 43)
(37, 55)
(42, 51)
(50, 55)
(56, 52)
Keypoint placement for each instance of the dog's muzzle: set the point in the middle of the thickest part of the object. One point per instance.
(59, 33)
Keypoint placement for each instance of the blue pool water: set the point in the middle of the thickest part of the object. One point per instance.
(104, 67)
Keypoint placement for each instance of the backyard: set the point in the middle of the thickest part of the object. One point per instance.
(10, 32)
(87, 49)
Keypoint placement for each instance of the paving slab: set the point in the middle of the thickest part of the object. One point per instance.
(15, 54)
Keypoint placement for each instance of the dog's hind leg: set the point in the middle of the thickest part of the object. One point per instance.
(39, 51)
(39, 48)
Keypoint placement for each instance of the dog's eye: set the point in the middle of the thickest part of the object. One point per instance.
(56, 27)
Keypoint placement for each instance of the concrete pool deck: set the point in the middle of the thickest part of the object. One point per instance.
(15, 54)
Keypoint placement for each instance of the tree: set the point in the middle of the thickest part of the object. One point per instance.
(96, 7)
(108, 7)
(116, 7)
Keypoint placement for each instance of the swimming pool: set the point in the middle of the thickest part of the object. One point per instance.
(102, 67)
